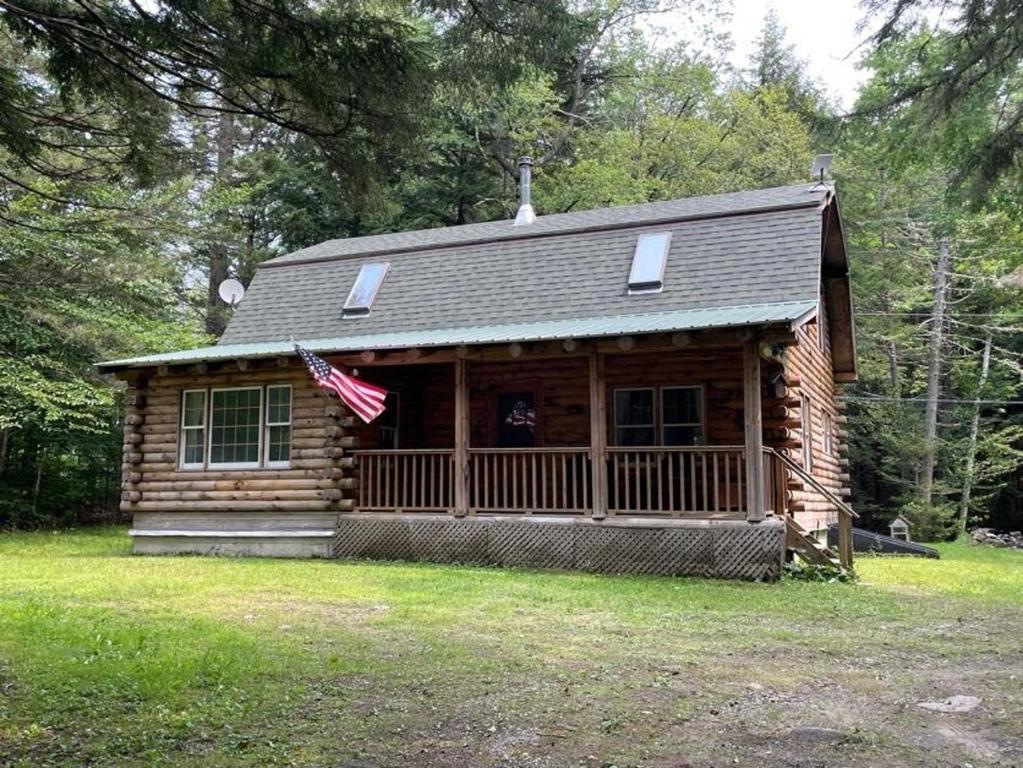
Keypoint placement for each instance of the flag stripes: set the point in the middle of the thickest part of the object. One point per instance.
(366, 400)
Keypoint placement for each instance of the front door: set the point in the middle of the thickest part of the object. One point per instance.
(516, 419)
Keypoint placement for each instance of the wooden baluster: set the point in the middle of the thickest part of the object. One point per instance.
(532, 478)
(682, 485)
(728, 481)
(376, 480)
(740, 475)
(628, 481)
(717, 481)
(513, 460)
(671, 483)
(704, 458)
(693, 489)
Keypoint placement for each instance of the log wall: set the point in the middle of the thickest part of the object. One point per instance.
(228, 509)
(809, 371)
(249, 510)
(562, 388)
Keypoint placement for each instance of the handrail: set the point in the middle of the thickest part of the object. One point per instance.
(520, 451)
(674, 448)
(398, 451)
(813, 481)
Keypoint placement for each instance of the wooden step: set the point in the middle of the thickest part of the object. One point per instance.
(807, 546)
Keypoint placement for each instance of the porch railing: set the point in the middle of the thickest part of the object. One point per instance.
(528, 480)
(659, 481)
(677, 481)
(405, 480)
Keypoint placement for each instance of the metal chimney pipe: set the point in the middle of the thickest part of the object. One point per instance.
(526, 214)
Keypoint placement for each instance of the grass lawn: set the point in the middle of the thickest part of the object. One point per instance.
(112, 659)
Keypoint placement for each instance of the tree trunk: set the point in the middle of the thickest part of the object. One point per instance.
(971, 450)
(893, 365)
(5, 437)
(219, 256)
(934, 372)
(40, 460)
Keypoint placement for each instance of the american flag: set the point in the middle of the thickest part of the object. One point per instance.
(367, 400)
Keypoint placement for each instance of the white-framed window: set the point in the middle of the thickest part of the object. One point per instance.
(236, 418)
(278, 425)
(635, 420)
(193, 429)
(236, 427)
(806, 420)
(827, 434)
(681, 415)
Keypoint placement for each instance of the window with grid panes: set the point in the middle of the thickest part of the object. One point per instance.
(278, 425)
(235, 423)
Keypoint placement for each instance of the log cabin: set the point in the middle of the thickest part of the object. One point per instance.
(650, 388)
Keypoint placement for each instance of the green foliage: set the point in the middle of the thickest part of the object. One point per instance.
(821, 574)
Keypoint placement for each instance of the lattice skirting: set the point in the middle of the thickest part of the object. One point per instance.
(720, 549)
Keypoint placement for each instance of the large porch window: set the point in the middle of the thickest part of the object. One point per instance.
(667, 415)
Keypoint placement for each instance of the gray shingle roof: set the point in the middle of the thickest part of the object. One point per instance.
(751, 250)
(743, 258)
(708, 206)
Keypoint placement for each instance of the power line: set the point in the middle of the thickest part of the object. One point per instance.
(942, 400)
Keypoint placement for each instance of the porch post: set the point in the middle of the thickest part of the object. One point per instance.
(461, 468)
(753, 423)
(598, 436)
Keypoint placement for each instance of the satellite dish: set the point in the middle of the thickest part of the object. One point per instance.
(231, 291)
(821, 166)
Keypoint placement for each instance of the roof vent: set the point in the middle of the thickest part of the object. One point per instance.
(526, 214)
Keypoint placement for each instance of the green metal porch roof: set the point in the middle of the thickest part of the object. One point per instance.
(543, 330)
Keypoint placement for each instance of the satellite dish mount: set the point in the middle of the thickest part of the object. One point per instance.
(821, 166)
(231, 291)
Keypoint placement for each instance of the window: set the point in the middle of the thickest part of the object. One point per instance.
(827, 435)
(648, 260)
(193, 428)
(388, 421)
(634, 417)
(235, 416)
(681, 415)
(238, 428)
(278, 425)
(364, 291)
(807, 427)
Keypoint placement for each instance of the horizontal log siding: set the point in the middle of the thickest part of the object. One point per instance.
(717, 369)
(562, 385)
(317, 483)
(813, 369)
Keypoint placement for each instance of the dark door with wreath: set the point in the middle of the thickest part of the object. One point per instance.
(516, 419)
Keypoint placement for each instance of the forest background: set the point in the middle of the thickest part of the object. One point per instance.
(149, 150)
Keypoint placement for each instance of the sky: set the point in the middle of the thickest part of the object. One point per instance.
(823, 32)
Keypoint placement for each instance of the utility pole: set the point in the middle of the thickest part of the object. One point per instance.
(934, 370)
(971, 451)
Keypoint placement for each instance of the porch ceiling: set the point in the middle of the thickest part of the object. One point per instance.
(653, 322)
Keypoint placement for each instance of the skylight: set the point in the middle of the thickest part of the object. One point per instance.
(647, 273)
(364, 291)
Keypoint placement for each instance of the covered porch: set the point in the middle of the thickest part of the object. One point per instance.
(637, 432)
